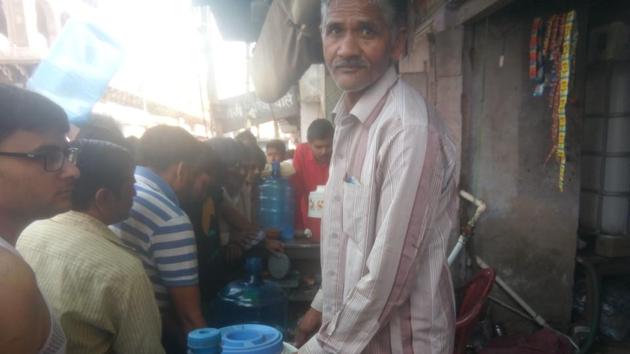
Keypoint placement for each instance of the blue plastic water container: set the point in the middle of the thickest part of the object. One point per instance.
(78, 68)
(277, 204)
(252, 301)
(251, 339)
(204, 341)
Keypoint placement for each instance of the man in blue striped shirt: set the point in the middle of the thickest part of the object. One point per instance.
(160, 232)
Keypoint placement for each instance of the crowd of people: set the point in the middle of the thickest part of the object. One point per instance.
(114, 245)
(127, 247)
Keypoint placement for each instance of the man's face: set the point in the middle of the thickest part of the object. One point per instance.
(322, 149)
(203, 182)
(274, 155)
(28, 190)
(358, 44)
(236, 176)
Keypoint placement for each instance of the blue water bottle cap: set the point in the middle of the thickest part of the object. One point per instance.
(275, 169)
(207, 339)
(253, 265)
(251, 339)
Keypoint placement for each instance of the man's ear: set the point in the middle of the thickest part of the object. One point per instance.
(182, 172)
(102, 199)
(399, 46)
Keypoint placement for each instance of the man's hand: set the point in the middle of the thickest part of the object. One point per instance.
(274, 246)
(308, 326)
(243, 238)
(187, 303)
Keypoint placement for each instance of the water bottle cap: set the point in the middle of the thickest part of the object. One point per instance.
(251, 339)
(275, 169)
(204, 338)
(253, 265)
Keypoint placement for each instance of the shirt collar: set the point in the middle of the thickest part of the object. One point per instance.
(309, 152)
(310, 156)
(369, 99)
(89, 224)
(158, 183)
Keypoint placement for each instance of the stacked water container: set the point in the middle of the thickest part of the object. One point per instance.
(253, 300)
(277, 204)
(605, 177)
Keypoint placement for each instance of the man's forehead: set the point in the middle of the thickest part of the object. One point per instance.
(368, 9)
(320, 142)
(26, 141)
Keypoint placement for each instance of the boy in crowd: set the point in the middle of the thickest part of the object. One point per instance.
(276, 151)
(311, 162)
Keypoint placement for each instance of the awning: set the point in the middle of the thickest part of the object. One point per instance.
(234, 113)
(290, 41)
(238, 20)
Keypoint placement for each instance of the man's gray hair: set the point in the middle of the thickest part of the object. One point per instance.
(394, 11)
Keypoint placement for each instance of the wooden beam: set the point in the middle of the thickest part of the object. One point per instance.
(473, 10)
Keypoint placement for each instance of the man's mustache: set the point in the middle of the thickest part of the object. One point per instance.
(350, 63)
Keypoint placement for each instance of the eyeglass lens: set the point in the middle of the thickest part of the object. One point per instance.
(55, 159)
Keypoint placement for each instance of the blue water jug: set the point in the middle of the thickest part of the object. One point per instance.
(277, 204)
(252, 301)
(204, 341)
(78, 68)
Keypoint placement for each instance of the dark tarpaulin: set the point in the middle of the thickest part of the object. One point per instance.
(238, 20)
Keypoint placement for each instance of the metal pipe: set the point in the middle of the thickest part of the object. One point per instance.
(510, 307)
(536, 317)
(594, 326)
(481, 206)
(465, 235)
(461, 242)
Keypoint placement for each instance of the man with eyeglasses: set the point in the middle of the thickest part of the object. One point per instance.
(37, 174)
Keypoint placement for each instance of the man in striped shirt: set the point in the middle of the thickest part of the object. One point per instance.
(390, 200)
(160, 232)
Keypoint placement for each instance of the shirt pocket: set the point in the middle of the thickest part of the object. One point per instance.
(355, 211)
(354, 226)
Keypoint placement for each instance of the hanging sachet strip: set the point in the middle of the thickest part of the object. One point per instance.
(533, 48)
(555, 52)
(565, 73)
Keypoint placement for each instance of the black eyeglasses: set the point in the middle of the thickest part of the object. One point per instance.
(53, 159)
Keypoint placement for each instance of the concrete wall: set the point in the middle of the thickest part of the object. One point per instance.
(434, 68)
(528, 233)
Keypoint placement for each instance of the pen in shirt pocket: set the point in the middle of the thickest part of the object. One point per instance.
(352, 180)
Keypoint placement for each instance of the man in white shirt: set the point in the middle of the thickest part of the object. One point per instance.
(37, 175)
(390, 199)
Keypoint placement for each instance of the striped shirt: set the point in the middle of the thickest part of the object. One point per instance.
(97, 286)
(390, 203)
(161, 235)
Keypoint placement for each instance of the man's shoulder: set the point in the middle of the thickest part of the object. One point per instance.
(302, 150)
(411, 110)
(408, 104)
(20, 298)
(84, 250)
(40, 234)
(149, 196)
(154, 210)
(17, 279)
